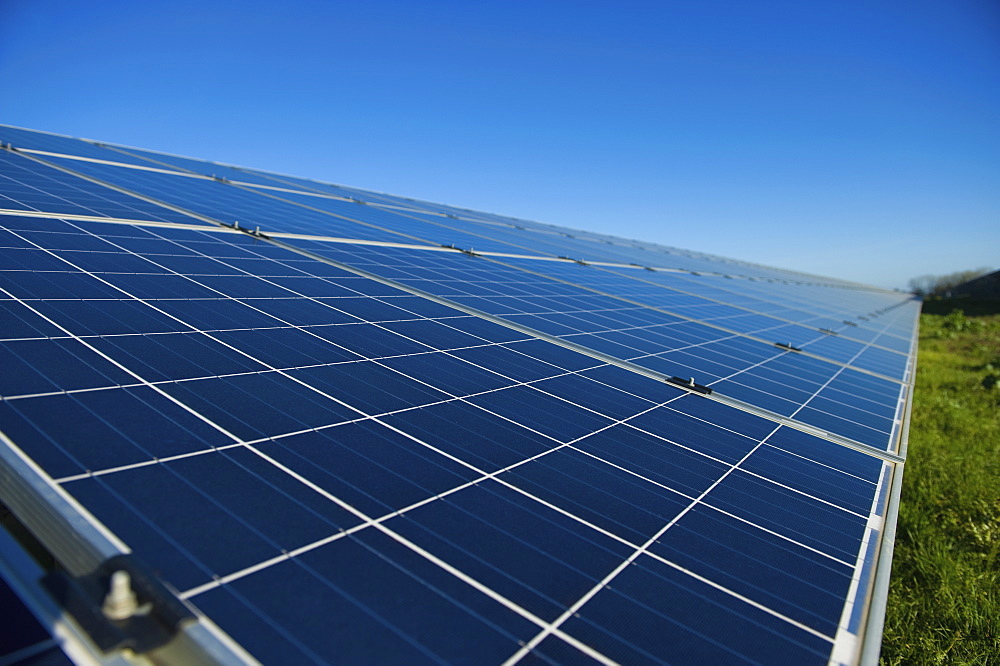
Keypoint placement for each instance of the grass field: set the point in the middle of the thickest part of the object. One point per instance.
(944, 596)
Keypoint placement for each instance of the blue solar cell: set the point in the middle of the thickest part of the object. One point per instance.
(550, 415)
(188, 165)
(835, 486)
(706, 427)
(474, 435)
(447, 331)
(54, 365)
(663, 459)
(509, 362)
(245, 527)
(107, 317)
(21, 322)
(33, 260)
(132, 424)
(554, 650)
(285, 347)
(859, 432)
(614, 500)
(368, 466)
(537, 557)
(375, 389)
(175, 356)
(880, 422)
(606, 399)
(881, 361)
(412, 224)
(262, 405)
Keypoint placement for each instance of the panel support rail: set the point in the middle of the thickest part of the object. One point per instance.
(88, 553)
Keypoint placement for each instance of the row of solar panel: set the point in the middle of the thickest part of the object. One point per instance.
(25, 195)
(601, 309)
(517, 492)
(474, 230)
(64, 145)
(863, 406)
(329, 430)
(726, 319)
(251, 202)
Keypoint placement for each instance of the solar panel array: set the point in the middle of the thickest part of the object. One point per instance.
(350, 426)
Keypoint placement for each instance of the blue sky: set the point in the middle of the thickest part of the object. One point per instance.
(859, 140)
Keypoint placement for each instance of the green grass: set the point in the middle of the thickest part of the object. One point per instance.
(944, 594)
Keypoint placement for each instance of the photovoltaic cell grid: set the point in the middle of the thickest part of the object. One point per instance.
(600, 313)
(360, 451)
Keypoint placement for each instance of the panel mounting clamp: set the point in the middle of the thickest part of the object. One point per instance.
(120, 605)
(255, 232)
(470, 251)
(787, 345)
(690, 385)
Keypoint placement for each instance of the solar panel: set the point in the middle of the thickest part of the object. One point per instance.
(325, 424)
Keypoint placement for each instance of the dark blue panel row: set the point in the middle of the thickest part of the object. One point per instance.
(474, 229)
(667, 292)
(27, 185)
(753, 371)
(55, 143)
(229, 203)
(465, 224)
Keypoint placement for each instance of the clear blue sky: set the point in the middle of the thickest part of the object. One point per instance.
(856, 139)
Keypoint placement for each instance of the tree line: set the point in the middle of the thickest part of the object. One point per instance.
(939, 285)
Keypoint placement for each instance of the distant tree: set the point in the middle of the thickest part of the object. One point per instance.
(939, 285)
